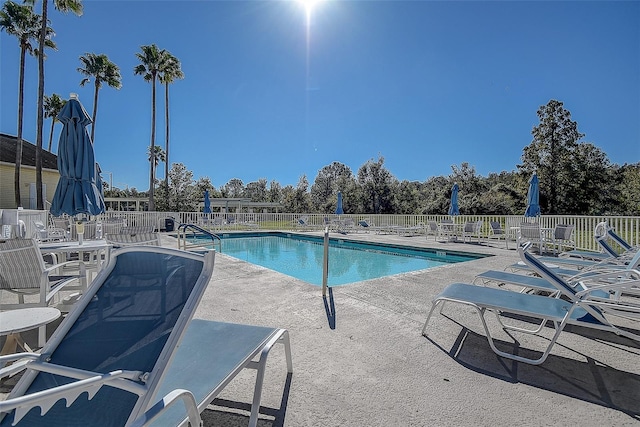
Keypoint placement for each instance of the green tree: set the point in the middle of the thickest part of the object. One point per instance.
(52, 106)
(471, 186)
(169, 72)
(74, 6)
(155, 154)
(20, 21)
(204, 183)
(150, 59)
(102, 70)
(628, 189)
(257, 191)
(296, 199)
(436, 201)
(505, 194)
(324, 191)
(407, 198)
(182, 192)
(233, 189)
(376, 184)
(274, 194)
(551, 154)
(589, 192)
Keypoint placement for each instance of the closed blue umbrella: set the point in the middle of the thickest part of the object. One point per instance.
(77, 191)
(207, 202)
(453, 207)
(99, 180)
(533, 197)
(339, 210)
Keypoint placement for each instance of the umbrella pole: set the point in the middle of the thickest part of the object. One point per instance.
(80, 230)
(325, 262)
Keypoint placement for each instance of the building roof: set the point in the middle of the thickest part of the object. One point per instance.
(8, 144)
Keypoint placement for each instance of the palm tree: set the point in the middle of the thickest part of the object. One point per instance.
(155, 154)
(52, 106)
(150, 62)
(102, 70)
(74, 6)
(170, 71)
(20, 21)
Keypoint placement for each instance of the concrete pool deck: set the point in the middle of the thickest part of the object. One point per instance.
(359, 357)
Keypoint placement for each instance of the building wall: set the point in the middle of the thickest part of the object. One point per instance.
(27, 177)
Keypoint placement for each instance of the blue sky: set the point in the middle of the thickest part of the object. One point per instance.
(425, 84)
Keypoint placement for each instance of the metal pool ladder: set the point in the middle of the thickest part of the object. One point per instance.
(192, 237)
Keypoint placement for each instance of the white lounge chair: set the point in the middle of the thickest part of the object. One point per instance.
(586, 307)
(128, 351)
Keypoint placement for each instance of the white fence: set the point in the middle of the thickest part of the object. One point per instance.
(628, 227)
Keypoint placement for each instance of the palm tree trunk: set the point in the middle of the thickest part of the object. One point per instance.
(53, 123)
(23, 51)
(152, 174)
(40, 122)
(166, 145)
(95, 112)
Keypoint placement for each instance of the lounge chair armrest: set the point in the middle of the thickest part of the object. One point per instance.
(53, 268)
(193, 415)
(45, 399)
(23, 360)
(619, 285)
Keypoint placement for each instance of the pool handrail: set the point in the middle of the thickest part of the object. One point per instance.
(183, 243)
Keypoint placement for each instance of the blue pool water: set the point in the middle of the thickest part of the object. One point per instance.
(301, 257)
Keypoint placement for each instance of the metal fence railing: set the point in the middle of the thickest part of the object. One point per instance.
(628, 227)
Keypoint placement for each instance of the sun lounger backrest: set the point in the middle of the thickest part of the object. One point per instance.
(619, 240)
(602, 241)
(545, 272)
(127, 320)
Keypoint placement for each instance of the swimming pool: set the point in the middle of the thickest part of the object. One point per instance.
(349, 261)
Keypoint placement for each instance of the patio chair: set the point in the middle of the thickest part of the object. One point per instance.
(431, 229)
(61, 223)
(113, 226)
(496, 232)
(577, 307)
(120, 240)
(89, 230)
(563, 237)
(43, 233)
(129, 352)
(23, 272)
(531, 232)
(472, 229)
(302, 223)
(446, 229)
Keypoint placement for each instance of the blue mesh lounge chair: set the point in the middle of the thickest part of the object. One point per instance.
(125, 355)
(604, 235)
(578, 307)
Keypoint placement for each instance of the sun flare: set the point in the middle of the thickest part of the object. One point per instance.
(309, 5)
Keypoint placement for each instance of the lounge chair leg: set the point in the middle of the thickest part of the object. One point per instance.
(260, 365)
